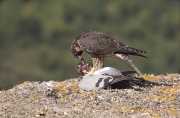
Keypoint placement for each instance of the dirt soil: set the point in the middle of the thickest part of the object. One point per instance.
(155, 97)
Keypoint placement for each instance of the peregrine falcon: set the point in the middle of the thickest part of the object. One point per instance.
(99, 46)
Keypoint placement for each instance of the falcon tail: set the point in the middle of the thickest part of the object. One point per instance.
(131, 51)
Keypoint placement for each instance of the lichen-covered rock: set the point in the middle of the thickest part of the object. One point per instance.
(159, 98)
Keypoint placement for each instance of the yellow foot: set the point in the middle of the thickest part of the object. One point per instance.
(89, 73)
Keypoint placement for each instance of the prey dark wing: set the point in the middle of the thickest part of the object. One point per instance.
(125, 75)
(122, 78)
(117, 78)
(99, 43)
(128, 72)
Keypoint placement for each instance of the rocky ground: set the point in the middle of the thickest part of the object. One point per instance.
(159, 98)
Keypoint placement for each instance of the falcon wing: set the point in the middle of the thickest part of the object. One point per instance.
(130, 50)
(99, 43)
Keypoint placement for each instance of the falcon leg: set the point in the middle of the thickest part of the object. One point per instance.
(128, 60)
(97, 64)
(134, 67)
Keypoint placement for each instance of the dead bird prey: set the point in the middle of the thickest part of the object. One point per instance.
(102, 78)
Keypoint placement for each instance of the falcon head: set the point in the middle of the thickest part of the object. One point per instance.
(75, 49)
(75, 46)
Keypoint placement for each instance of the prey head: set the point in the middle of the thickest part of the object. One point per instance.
(82, 67)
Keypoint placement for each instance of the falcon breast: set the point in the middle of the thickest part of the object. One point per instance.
(100, 45)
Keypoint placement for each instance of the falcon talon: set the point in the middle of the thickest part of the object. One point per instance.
(140, 76)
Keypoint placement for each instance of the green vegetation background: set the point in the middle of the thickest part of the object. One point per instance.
(35, 35)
